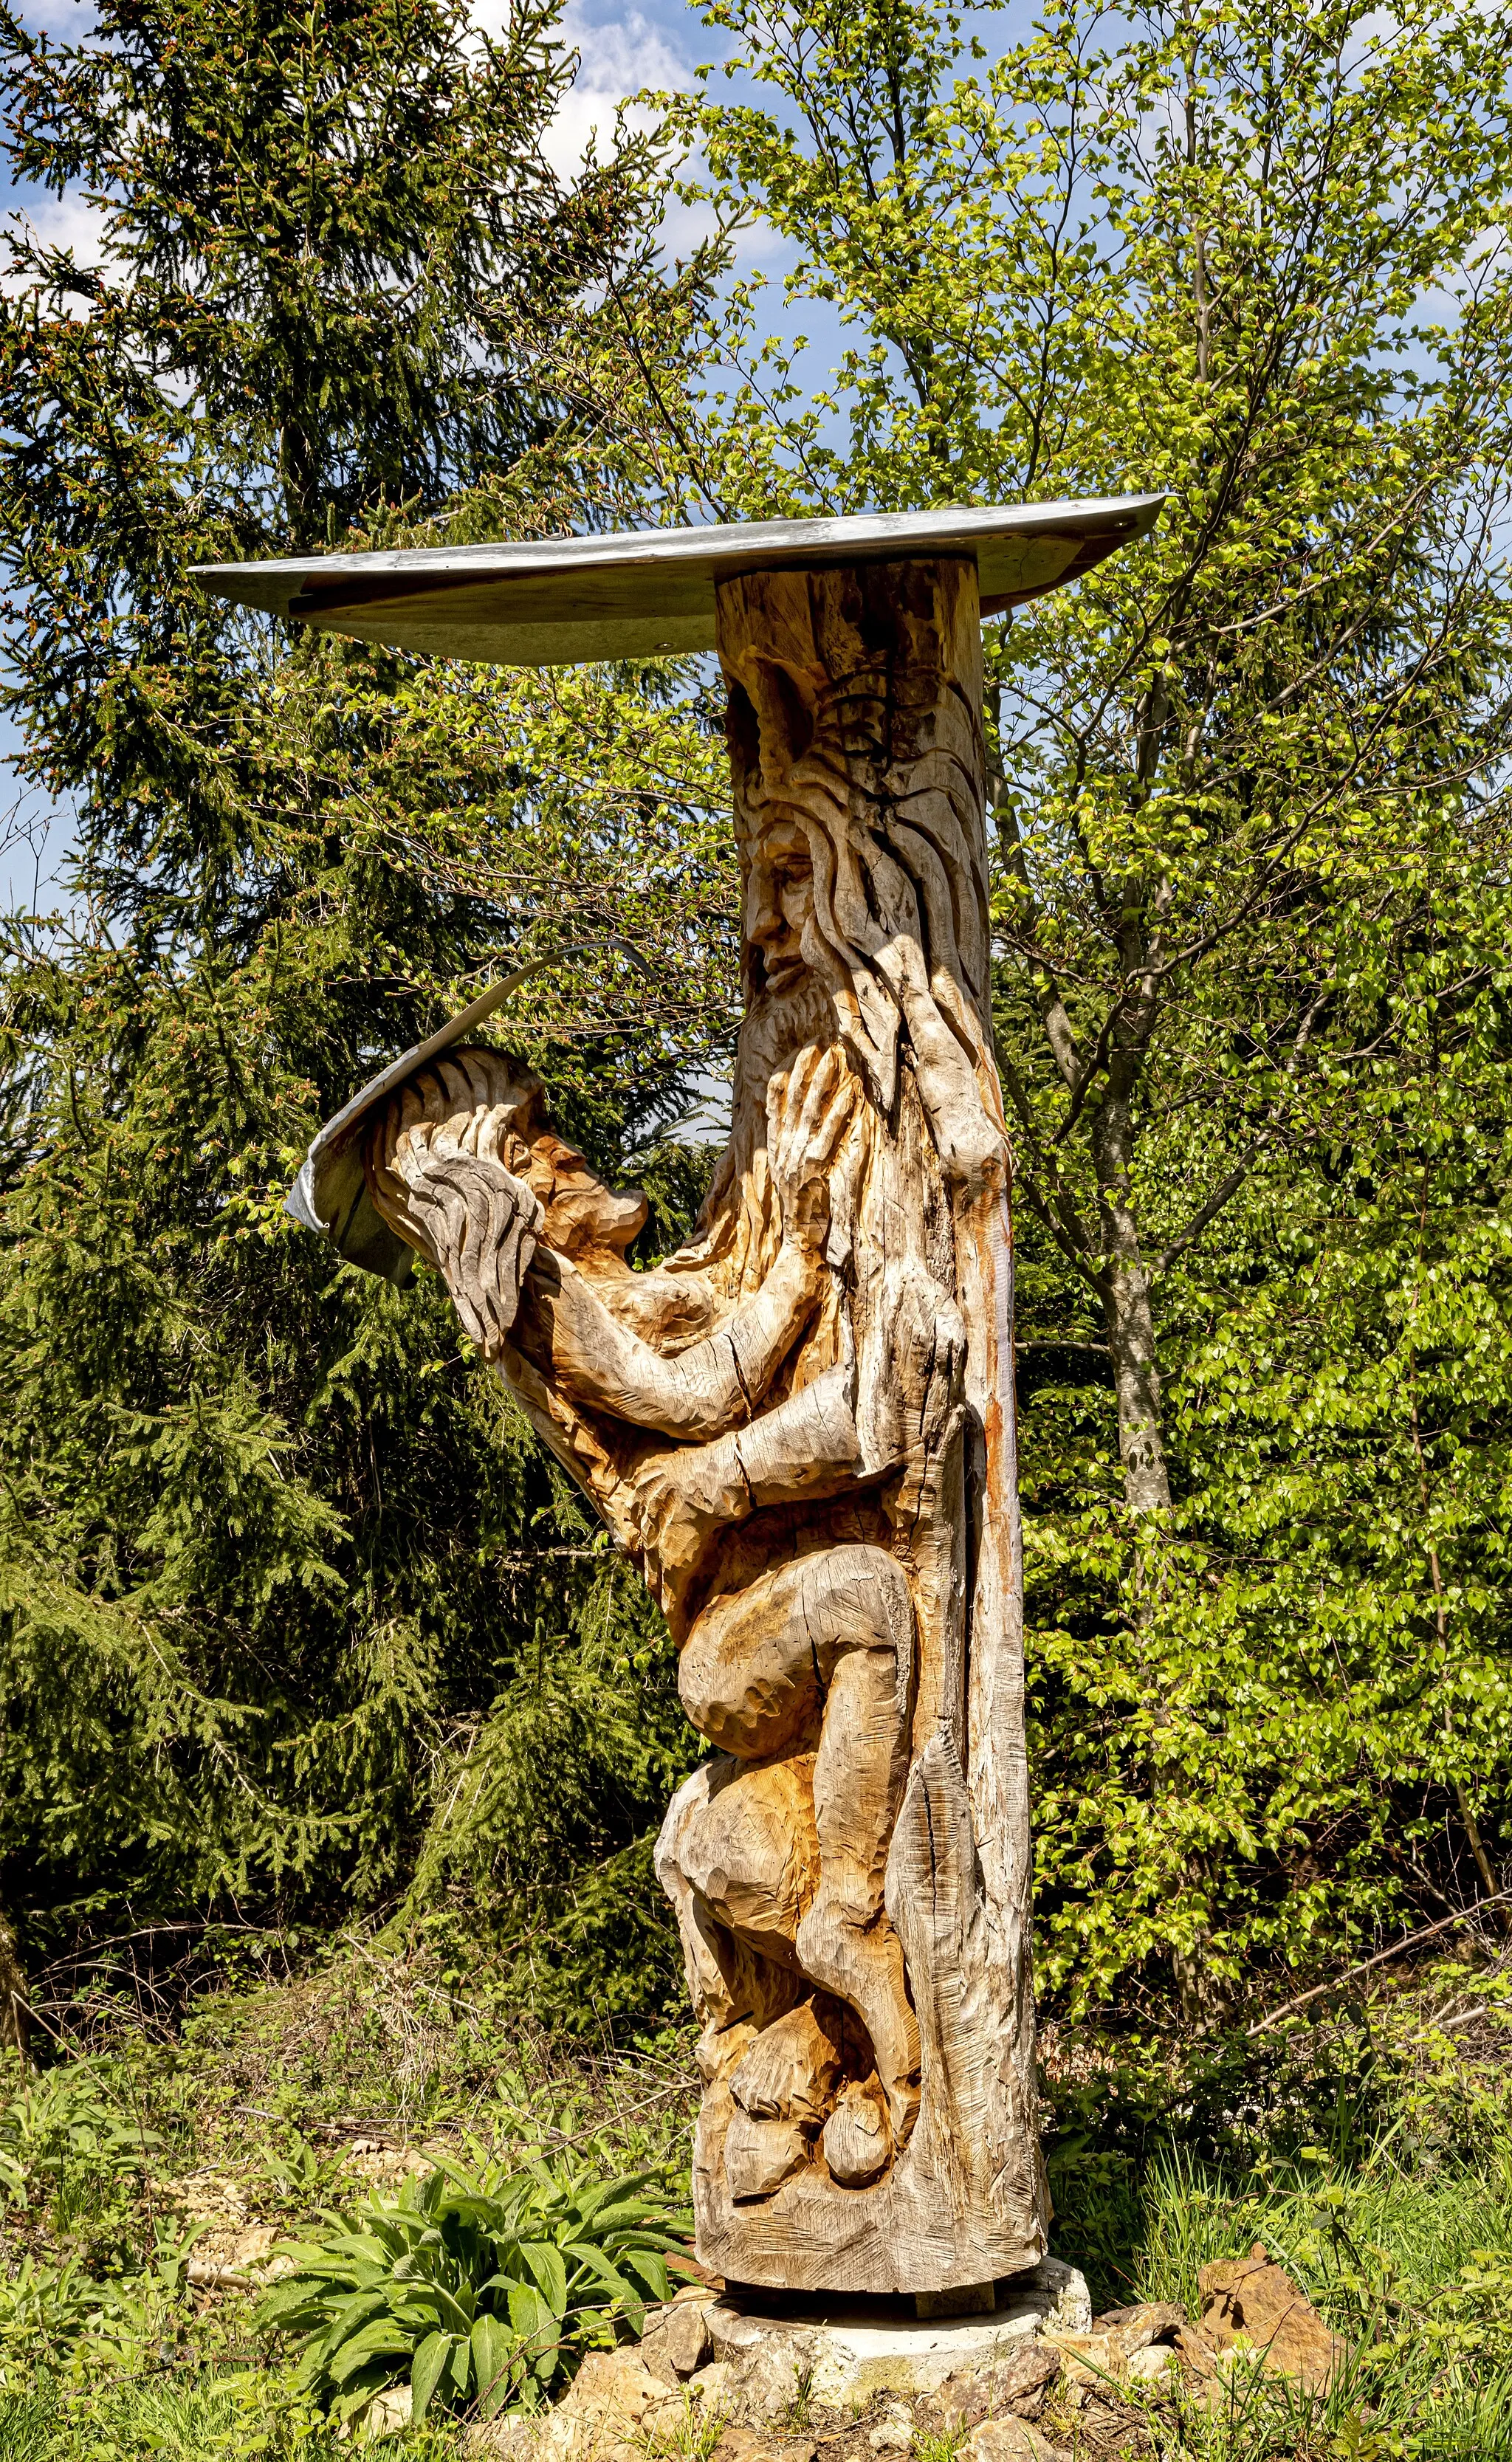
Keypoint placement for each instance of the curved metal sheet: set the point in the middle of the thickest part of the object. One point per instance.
(644, 593)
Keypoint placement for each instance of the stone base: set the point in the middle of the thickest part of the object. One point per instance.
(843, 2352)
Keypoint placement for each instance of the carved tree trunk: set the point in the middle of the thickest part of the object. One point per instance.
(802, 1429)
(855, 736)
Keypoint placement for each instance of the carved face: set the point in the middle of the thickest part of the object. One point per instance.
(583, 1220)
(478, 1101)
(779, 902)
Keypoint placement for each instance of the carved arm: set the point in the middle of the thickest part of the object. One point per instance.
(569, 1336)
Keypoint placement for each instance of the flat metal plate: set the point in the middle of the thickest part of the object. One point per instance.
(644, 593)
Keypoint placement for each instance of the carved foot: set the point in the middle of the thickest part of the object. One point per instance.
(857, 2142)
(863, 1966)
(791, 2070)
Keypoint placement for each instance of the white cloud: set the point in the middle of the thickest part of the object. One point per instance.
(73, 21)
(54, 221)
(617, 57)
(68, 220)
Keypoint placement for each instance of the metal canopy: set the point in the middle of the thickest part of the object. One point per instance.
(644, 593)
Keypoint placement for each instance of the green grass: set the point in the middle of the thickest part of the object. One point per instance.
(1373, 2156)
(1411, 2266)
(184, 2416)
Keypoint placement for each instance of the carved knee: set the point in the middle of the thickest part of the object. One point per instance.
(751, 1854)
(748, 1678)
(856, 1597)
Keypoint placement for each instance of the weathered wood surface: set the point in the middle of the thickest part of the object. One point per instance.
(801, 1428)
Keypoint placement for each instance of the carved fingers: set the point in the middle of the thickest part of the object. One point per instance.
(480, 1222)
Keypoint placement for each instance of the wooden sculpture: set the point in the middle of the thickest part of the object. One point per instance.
(801, 1429)
(801, 1426)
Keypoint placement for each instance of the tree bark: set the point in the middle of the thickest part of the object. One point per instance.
(1127, 1310)
(15, 2026)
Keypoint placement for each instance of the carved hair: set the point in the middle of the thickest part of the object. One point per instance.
(863, 753)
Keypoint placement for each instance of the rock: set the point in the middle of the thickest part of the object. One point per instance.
(675, 2344)
(845, 2359)
(766, 2382)
(235, 2260)
(966, 2300)
(893, 2434)
(387, 2414)
(857, 2140)
(1010, 2440)
(1194, 2351)
(613, 2402)
(209, 2197)
(960, 2403)
(716, 2387)
(1093, 2362)
(1257, 2299)
(1150, 2363)
(1019, 2385)
(502, 2440)
(741, 2445)
(382, 2165)
(1022, 2382)
(1070, 2309)
(1135, 2328)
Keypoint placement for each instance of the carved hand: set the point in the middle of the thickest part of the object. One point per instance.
(481, 1222)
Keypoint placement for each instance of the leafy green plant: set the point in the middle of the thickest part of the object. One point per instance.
(61, 2121)
(68, 2147)
(484, 2291)
(58, 2314)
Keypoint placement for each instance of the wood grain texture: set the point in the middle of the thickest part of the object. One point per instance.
(801, 1428)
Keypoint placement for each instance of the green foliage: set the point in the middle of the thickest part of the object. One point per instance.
(485, 2290)
(1412, 2267)
(277, 1556)
(291, 1608)
(61, 2121)
(273, 2107)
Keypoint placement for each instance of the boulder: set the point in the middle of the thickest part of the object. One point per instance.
(1018, 2385)
(1254, 2300)
(676, 2342)
(1135, 2328)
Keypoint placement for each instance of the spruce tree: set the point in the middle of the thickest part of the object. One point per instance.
(281, 1572)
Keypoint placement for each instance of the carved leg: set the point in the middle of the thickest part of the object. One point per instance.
(840, 1625)
(845, 1941)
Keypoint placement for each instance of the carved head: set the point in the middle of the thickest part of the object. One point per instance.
(475, 1100)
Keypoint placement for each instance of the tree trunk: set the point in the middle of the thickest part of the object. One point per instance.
(801, 1429)
(15, 2029)
(1127, 1315)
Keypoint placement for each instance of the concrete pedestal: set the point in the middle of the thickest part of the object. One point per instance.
(842, 2353)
